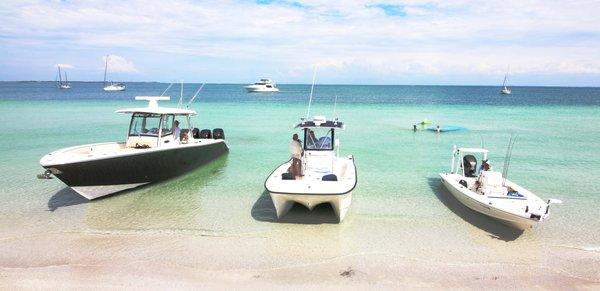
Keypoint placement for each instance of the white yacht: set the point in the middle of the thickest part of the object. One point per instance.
(264, 85)
(326, 176)
(59, 81)
(155, 150)
(111, 86)
(489, 193)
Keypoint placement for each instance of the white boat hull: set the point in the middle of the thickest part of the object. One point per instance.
(284, 202)
(261, 89)
(113, 88)
(311, 191)
(477, 202)
(93, 192)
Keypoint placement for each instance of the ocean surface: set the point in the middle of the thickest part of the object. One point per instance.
(399, 204)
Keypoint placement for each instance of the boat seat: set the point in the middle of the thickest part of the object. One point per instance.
(491, 184)
(491, 178)
(287, 176)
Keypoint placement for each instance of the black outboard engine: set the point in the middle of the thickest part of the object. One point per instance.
(470, 165)
(218, 133)
(196, 132)
(205, 133)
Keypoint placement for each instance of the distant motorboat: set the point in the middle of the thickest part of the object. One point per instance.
(112, 86)
(490, 193)
(505, 89)
(264, 85)
(60, 83)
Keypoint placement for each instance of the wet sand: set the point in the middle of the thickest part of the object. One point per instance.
(299, 253)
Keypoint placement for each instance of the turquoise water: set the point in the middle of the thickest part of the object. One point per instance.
(398, 192)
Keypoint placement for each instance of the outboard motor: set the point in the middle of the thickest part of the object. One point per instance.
(196, 132)
(205, 133)
(218, 133)
(470, 165)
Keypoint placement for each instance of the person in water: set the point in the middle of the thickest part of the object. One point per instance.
(414, 127)
(438, 129)
(296, 151)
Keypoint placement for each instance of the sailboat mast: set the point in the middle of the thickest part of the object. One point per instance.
(105, 68)
(59, 76)
(66, 80)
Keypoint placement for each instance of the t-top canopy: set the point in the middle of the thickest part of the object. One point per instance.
(320, 121)
(155, 109)
(473, 150)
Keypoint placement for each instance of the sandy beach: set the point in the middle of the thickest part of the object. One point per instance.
(300, 253)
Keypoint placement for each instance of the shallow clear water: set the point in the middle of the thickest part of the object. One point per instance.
(398, 194)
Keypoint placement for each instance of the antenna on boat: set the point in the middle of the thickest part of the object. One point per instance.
(163, 93)
(334, 106)
(195, 95)
(312, 87)
(180, 103)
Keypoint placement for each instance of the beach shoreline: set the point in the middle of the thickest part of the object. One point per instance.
(191, 260)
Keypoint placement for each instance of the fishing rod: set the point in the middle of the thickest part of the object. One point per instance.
(195, 95)
(311, 91)
(509, 150)
(163, 93)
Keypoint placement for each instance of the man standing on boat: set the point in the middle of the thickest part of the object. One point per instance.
(296, 151)
(176, 130)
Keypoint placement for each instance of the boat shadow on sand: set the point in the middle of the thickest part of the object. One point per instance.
(264, 210)
(65, 197)
(494, 228)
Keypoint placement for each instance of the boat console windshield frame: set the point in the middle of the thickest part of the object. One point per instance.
(319, 133)
(153, 126)
(458, 155)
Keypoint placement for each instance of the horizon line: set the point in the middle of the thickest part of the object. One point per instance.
(307, 84)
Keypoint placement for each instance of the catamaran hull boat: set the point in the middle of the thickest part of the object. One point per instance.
(326, 177)
(310, 194)
(490, 194)
(152, 153)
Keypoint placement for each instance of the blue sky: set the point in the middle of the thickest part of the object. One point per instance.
(351, 42)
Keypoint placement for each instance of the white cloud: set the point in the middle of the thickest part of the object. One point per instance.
(118, 64)
(434, 38)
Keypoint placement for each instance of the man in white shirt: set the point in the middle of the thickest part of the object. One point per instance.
(296, 151)
(176, 130)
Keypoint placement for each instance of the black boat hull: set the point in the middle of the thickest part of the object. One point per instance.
(100, 177)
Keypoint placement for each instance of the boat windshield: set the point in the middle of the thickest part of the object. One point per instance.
(168, 125)
(146, 124)
(318, 139)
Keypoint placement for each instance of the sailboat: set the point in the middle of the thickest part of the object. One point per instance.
(60, 83)
(111, 87)
(505, 90)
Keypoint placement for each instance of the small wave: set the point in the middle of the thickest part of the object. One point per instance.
(595, 249)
